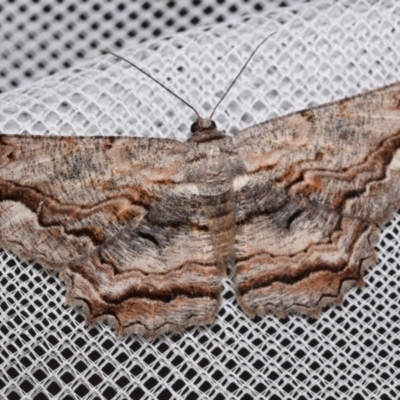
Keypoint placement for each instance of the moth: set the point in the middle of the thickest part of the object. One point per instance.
(142, 230)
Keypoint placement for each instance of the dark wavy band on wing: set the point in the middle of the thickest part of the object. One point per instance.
(150, 272)
(351, 279)
(96, 222)
(306, 267)
(328, 266)
(292, 252)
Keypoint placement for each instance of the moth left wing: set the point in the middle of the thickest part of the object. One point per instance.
(344, 155)
(315, 185)
(116, 217)
(292, 255)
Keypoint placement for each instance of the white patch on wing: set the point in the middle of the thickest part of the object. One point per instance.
(240, 181)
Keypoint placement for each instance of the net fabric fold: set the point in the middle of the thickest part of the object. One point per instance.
(321, 51)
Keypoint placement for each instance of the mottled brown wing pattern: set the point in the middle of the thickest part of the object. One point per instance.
(343, 154)
(158, 276)
(293, 255)
(72, 194)
(115, 216)
(317, 183)
(143, 229)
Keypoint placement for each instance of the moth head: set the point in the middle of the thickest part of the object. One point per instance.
(205, 130)
(203, 124)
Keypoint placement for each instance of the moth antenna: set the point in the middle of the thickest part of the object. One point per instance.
(239, 73)
(154, 79)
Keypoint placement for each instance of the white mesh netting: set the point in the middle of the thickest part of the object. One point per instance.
(322, 50)
(40, 37)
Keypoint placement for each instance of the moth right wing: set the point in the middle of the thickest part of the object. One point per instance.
(116, 217)
(62, 197)
(157, 276)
